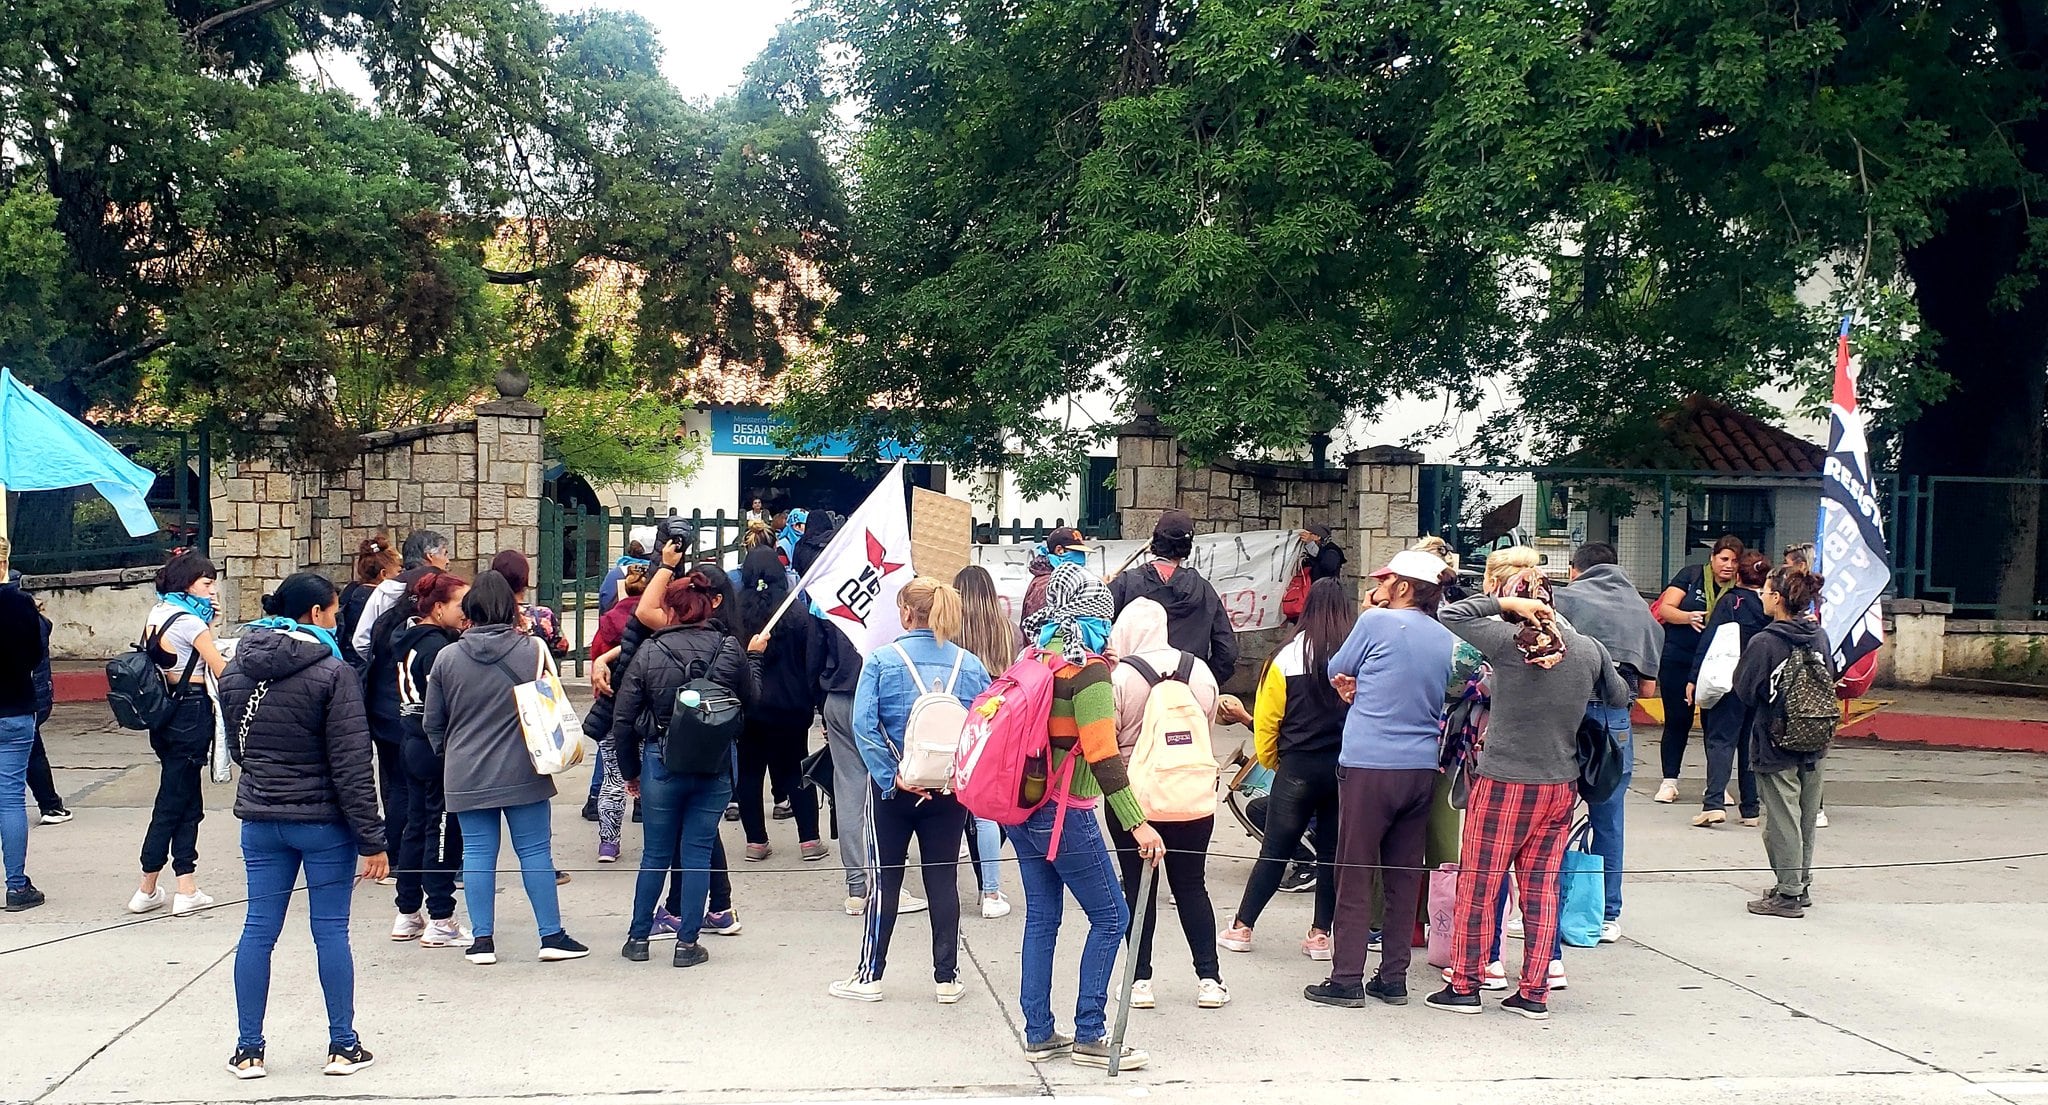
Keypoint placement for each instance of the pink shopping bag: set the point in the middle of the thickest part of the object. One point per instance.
(1443, 896)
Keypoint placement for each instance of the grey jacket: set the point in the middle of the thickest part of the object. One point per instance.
(472, 723)
(1605, 606)
(1533, 733)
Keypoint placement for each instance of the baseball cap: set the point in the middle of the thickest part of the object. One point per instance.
(1065, 537)
(1414, 564)
(1175, 523)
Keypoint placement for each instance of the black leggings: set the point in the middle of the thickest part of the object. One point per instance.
(1304, 789)
(1677, 720)
(1187, 845)
(40, 782)
(778, 752)
(181, 745)
(430, 849)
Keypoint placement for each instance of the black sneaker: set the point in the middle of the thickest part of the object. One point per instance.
(1336, 993)
(783, 811)
(1521, 1006)
(561, 878)
(635, 950)
(247, 1063)
(590, 808)
(1298, 880)
(347, 1060)
(732, 811)
(482, 951)
(57, 816)
(636, 811)
(1451, 1001)
(1393, 993)
(28, 897)
(690, 955)
(1372, 939)
(1806, 900)
(1771, 905)
(561, 946)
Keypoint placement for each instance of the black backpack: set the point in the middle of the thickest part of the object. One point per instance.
(707, 719)
(1600, 760)
(137, 691)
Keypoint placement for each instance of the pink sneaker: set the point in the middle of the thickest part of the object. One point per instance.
(1236, 938)
(1317, 946)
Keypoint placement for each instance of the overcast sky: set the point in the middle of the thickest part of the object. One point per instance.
(705, 43)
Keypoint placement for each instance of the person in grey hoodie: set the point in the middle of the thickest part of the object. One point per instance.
(1790, 781)
(472, 722)
(1519, 812)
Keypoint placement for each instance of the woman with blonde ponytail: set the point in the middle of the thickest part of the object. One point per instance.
(923, 659)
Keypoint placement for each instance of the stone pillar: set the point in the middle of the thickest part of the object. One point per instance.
(262, 531)
(1916, 641)
(508, 474)
(1147, 475)
(1383, 486)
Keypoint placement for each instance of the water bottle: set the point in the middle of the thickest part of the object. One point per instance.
(690, 699)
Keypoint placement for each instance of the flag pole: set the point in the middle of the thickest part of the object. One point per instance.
(805, 579)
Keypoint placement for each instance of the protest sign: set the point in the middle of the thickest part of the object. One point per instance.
(941, 532)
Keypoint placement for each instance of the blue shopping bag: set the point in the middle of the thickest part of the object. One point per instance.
(1583, 887)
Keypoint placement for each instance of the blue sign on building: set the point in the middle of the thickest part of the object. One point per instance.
(752, 434)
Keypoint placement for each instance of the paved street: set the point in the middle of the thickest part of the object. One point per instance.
(1903, 983)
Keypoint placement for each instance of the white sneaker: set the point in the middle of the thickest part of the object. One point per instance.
(949, 993)
(855, 906)
(445, 934)
(143, 903)
(1668, 793)
(1556, 978)
(853, 990)
(1512, 927)
(994, 906)
(1211, 994)
(910, 903)
(1495, 977)
(1610, 932)
(408, 926)
(388, 880)
(1141, 994)
(1821, 821)
(183, 904)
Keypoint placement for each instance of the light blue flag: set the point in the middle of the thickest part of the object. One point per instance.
(44, 449)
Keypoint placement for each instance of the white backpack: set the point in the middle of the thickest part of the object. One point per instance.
(1173, 767)
(931, 738)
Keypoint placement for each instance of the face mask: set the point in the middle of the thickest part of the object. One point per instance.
(1311, 548)
(1069, 556)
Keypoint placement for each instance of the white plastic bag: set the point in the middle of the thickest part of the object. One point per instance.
(1717, 671)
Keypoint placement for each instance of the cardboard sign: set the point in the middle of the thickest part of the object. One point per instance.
(941, 534)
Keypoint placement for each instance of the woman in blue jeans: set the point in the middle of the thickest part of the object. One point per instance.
(490, 784)
(307, 798)
(682, 791)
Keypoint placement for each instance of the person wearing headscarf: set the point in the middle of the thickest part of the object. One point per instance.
(1320, 556)
(1062, 546)
(1523, 788)
(1072, 630)
(1139, 638)
(793, 526)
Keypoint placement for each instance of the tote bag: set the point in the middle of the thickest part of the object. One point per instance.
(1584, 891)
(1443, 900)
(553, 737)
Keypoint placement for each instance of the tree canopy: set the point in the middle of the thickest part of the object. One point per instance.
(1251, 216)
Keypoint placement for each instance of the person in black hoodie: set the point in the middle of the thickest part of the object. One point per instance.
(307, 798)
(430, 852)
(1742, 607)
(376, 561)
(779, 727)
(1791, 781)
(682, 807)
(1195, 619)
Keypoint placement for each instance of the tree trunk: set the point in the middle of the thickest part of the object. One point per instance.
(1985, 538)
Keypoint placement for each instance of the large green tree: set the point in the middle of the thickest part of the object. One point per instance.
(1251, 215)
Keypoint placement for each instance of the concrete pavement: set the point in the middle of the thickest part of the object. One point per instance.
(1903, 984)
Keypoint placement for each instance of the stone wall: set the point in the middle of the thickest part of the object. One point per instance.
(476, 480)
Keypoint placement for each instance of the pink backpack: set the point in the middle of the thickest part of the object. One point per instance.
(1000, 770)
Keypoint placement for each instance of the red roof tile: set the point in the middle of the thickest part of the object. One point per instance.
(1719, 438)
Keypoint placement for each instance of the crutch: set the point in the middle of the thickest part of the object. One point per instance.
(1123, 1006)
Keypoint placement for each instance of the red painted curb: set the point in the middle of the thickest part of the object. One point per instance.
(1992, 734)
(79, 686)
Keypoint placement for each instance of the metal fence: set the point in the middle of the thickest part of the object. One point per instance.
(1955, 539)
(579, 547)
(75, 530)
(993, 532)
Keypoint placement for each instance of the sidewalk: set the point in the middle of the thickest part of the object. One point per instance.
(1898, 987)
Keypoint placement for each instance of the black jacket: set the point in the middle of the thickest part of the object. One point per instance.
(354, 597)
(789, 694)
(669, 659)
(415, 652)
(24, 655)
(306, 755)
(1760, 660)
(834, 661)
(380, 668)
(1743, 606)
(1326, 563)
(597, 721)
(1195, 619)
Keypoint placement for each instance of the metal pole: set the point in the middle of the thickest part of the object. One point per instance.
(1123, 1005)
(1664, 565)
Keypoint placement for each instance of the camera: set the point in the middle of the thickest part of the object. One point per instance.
(676, 531)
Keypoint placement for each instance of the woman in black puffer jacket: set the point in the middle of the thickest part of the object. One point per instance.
(308, 797)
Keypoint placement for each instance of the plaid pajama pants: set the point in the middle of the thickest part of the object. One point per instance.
(1523, 825)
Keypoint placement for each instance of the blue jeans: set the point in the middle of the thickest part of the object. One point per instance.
(988, 847)
(680, 815)
(1607, 816)
(17, 743)
(597, 770)
(273, 851)
(1083, 867)
(532, 836)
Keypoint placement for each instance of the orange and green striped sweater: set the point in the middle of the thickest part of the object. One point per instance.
(1084, 713)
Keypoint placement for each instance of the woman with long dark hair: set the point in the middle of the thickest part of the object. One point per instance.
(1683, 608)
(307, 799)
(179, 636)
(779, 726)
(1297, 731)
(988, 633)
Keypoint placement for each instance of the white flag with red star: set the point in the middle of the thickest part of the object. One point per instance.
(854, 582)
